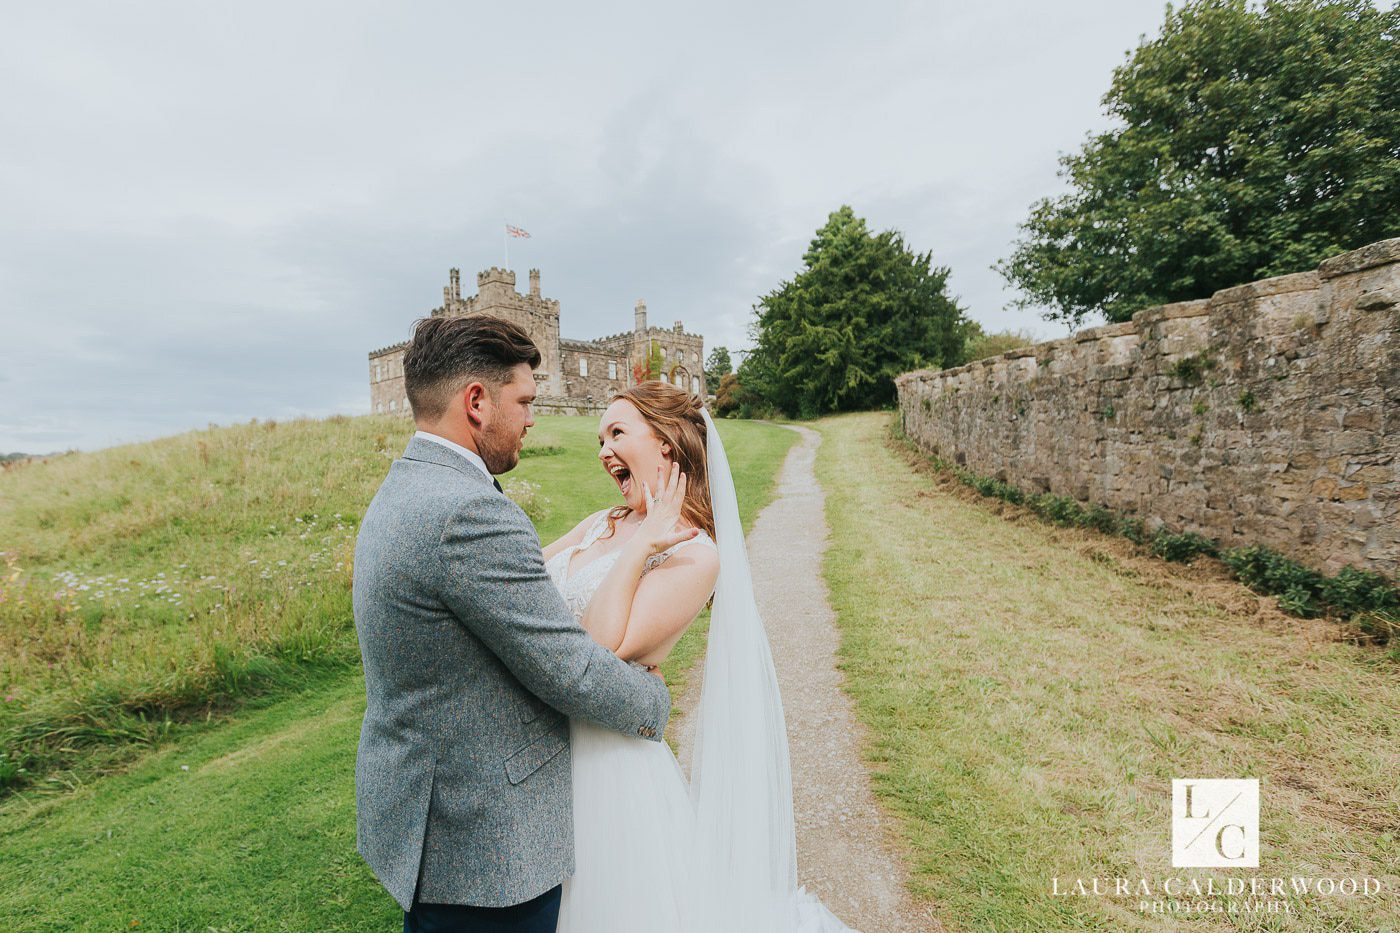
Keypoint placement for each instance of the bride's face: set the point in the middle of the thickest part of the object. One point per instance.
(630, 452)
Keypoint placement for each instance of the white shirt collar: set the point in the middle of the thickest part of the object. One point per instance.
(457, 448)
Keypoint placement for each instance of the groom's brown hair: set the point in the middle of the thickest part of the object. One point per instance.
(447, 354)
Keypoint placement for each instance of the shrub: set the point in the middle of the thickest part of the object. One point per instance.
(1061, 510)
(1370, 597)
(1133, 528)
(1353, 590)
(1099, 518)
(1181, 548)
(1269, 572)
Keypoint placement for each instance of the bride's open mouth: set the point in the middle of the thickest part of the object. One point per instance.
(623, 477)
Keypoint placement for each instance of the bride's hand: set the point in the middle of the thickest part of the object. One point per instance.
(663, 511)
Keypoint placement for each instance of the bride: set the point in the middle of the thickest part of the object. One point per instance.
(654, 852)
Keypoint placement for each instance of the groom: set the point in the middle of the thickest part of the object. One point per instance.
(472, 661)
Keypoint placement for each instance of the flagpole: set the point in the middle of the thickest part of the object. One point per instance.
(505, 241)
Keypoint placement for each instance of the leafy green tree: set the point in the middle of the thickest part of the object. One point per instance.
(862, 310)
(726, 395)
(1251, 140)
(717, 367)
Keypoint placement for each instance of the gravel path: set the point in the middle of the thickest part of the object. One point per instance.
(845, 852)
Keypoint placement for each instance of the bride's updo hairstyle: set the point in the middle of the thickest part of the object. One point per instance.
(674, 417)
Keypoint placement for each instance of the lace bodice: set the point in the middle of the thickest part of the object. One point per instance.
(578, 588)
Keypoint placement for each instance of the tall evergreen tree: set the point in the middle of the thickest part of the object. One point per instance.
(862, 310)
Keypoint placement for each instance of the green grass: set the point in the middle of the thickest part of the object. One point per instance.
(152, 584)
(1031, 691)
(259, 832)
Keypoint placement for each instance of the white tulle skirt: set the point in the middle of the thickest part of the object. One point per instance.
(633, 843)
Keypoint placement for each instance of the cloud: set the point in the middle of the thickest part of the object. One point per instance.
(215, 214)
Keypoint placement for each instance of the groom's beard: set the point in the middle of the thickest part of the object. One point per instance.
(499, 449)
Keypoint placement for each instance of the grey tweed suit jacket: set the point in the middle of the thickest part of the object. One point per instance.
(472, 664)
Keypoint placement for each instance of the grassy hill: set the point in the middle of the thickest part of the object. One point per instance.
(152, 585)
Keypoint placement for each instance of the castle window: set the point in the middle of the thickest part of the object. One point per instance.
(612, 369)
(665, 378)
(583, 366)
(695, 384)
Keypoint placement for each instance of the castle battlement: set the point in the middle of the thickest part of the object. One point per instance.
(402, 345)
(493, 275)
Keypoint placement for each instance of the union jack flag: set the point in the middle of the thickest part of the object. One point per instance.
(513, 230)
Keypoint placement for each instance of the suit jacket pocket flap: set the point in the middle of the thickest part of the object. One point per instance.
(527, 760)
(530, 707)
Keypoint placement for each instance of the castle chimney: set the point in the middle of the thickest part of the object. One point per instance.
(534, 283)
(641, 316)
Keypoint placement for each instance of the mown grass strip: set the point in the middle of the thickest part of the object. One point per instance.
(1030, 694)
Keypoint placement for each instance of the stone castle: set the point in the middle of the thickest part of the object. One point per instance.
(575, 376)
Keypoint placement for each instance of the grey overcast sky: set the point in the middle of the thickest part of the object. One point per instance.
(212, 212)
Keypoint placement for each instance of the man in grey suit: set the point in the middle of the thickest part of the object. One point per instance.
(472, 661)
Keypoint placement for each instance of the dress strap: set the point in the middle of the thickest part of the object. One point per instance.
(595, 531)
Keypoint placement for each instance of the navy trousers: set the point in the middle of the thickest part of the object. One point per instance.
(538, 915)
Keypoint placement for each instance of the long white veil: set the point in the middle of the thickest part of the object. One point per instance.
(741, 778)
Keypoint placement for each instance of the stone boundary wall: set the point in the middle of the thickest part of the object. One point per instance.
(1267, 414)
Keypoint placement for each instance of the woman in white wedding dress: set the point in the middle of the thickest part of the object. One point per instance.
(655, 853)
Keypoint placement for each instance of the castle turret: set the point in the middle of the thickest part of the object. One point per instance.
(494, 287)
(534, 283)
(455, 276)
(641, 316)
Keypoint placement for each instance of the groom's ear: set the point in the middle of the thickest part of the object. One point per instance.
(476, 401)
